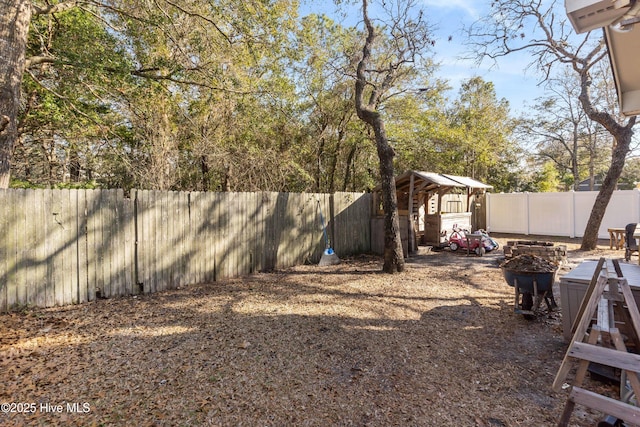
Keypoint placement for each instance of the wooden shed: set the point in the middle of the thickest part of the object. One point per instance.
(429, 205)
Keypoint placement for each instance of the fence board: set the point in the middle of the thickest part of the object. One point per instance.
(19, 215)
(21, 266)
(138, 205)
(101, 242)
(279, 227)
(82, 247)
(189, 244)
(12, 227)
(164, 257)
(6, 230)
(118, 286)
(56, 248)
(157, 239)
(155, 218)
(234, 238)
(253, 230)
(146, 242)
(242, 235)
(72, 237)
(91, 205)
(175, 240)
(135, 252)
(288, 238)
(204, 237)
(169, 231)
(117, 245)
(314, 229)
(163, 234)
(108, 234)
(258, 232)
(253, 219)
(71, 246)
(187, 247)
(49, 247)
(217, 236)
(181, 225)
(161, 240)
(250, 210)
(154, 270)
(128, 236)
(29, 247)
(208, 213)
(197, 237)
(236, 241)
(325, 213)
(214, 210)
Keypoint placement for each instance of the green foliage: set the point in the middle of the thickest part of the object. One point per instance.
(85, 185)
(20, 183)
(484, 126)
(547, 179)
(472, 136)
(239, 96)
(630, 177)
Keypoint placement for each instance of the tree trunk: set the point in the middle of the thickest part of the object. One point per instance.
(75, 168)
(319, 168)
(347, 169)
(393, 255)
(204, 170)
(623, 141)
(14, 28)
(623, 136)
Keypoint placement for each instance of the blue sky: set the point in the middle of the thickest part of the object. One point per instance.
(510, 77)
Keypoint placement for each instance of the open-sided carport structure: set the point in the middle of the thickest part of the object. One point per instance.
(429, 204)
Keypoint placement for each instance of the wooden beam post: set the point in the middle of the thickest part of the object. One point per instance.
(411, 236)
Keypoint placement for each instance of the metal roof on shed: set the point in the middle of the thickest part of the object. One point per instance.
(468, 182)
(427, 181)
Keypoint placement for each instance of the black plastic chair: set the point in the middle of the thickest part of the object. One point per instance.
(630, 242)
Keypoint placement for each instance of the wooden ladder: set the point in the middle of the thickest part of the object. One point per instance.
(605, 299)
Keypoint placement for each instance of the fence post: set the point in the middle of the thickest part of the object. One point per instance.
(572, 214)
(637, 193)
(528, 210)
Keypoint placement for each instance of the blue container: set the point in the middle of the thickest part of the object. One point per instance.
(525, 279)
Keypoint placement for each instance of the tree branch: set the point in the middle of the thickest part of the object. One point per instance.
(54, 8)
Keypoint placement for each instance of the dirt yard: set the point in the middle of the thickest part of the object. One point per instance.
(311, 346)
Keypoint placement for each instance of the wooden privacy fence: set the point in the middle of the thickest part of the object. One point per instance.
(63, 247)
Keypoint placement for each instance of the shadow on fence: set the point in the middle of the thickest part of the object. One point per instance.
(64, 247)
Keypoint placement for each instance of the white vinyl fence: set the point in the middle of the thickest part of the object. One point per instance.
(558, 214)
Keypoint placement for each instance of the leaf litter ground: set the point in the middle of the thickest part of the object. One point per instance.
(309, 346)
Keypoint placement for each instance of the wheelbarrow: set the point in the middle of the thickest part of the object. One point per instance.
(531, 288)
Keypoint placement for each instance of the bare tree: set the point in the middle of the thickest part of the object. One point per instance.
(527, 25)
(406, 39)
(562, 130)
